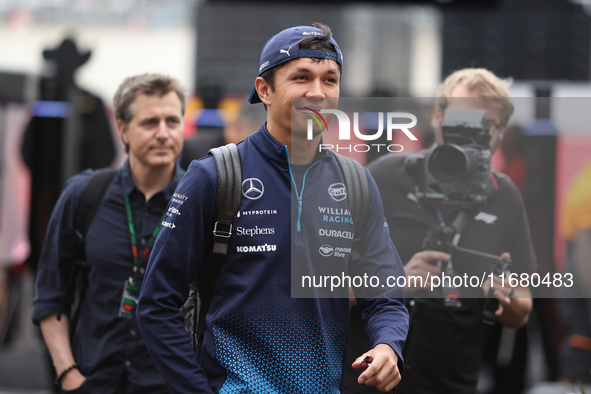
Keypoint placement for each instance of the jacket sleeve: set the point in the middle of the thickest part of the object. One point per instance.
(182, 246)
(59, 250)
(385, 317)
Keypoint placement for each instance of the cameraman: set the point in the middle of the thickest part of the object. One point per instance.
(444, 348)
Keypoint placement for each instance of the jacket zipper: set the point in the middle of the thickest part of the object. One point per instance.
(301, 194)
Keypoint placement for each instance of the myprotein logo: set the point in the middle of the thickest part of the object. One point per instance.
(392, 123)
(337, 191)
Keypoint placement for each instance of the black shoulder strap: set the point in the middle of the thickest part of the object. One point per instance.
(87, 207)
(227, 160)
(357, 196)
(91, 200)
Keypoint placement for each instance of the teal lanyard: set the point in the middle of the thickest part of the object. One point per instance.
(137, 261)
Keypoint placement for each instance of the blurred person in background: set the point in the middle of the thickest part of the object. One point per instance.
(44, 150)
(248, 121)
(107, 353)
(210, 126)
(575, 354)
(447, 339)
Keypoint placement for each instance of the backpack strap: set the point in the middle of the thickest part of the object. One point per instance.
(89, 203)
(227, 160)
(357, 197)
(229, 190)
(91, 199)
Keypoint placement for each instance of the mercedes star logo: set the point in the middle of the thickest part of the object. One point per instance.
(253, 188)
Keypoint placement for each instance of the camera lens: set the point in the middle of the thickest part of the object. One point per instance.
(449, 163)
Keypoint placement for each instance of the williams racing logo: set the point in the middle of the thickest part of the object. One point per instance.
(337, 191)
(256, 248)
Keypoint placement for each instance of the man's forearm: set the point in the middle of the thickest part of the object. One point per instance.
(57, 338)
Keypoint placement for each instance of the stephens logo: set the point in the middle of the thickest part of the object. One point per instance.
(337, 191)
(326, 250)
(251, 232)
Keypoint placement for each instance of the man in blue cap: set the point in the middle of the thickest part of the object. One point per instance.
(257, 338)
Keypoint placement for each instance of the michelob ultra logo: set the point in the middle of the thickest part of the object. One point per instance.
(345, 124)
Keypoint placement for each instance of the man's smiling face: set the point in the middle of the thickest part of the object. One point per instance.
(312, 83)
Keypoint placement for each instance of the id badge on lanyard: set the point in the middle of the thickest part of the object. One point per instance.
(131, 287)
(129, 299)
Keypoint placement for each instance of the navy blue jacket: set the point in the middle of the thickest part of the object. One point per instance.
(257, 337)
(107, 348)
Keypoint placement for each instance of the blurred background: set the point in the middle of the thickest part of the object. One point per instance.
(62, 60)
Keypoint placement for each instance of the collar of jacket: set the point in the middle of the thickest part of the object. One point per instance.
(128, 185)
(275, 152)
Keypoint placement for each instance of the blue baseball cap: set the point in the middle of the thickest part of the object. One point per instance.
(285, 46)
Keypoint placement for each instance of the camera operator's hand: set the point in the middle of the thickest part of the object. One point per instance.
(515, 303)
(502, 291)
(419, 265)
(383, 371)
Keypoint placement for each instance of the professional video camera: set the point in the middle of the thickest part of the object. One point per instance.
(461, 170)
(461, 166)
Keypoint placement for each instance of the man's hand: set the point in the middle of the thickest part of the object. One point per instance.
(419, 266)
(515, 303)
(383, 372)
(72, 380)
(500, 292)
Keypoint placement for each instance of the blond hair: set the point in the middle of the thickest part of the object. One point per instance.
(482, 82)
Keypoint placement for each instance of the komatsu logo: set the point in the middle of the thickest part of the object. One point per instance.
(256, 248)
